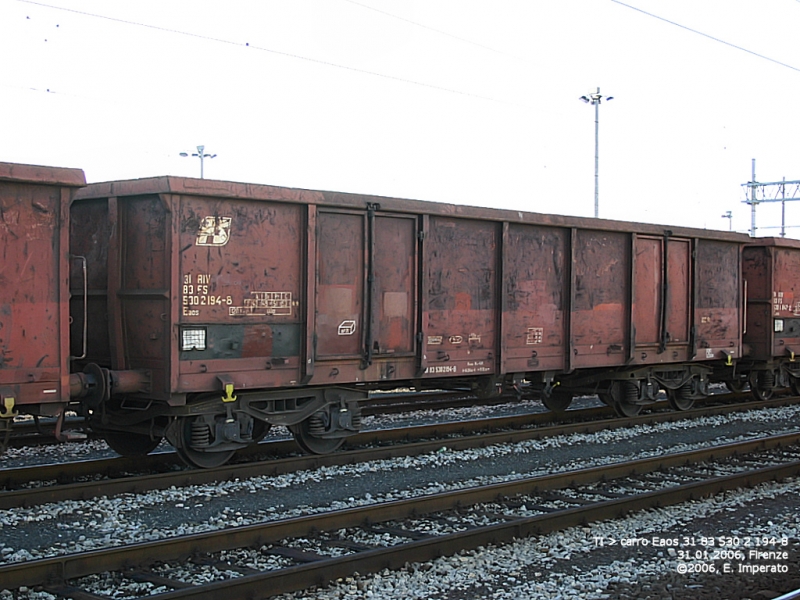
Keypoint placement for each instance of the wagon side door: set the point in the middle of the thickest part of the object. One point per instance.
(661, 309)
(340, 285)
(366, 287)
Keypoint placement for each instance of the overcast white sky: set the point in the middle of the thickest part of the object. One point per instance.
(460, 101)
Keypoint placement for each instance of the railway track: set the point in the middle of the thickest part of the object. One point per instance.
(30, 486)
(40, 432)
(294, 554)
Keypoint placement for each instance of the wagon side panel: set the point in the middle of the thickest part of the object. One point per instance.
(786, 303)
(535, 276)
(240, 291)
(459, 318)
(601, 295)
(34, 293)
(718, 280)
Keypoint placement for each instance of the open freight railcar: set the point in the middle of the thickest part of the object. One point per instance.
(250, 305)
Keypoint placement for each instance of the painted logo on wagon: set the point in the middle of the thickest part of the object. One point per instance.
(347, 327)
(214, 231)
(534, 336)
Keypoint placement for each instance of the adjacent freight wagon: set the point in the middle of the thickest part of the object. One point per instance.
(772, 318)
(34, 291)
(236, 307)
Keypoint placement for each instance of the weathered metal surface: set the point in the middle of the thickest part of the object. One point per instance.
(228, 269)
(90, 234)
(459, 318)
(601, 295)
(240, 278)
(718, 300)
(293, 287)
(757, 272)
(535, 294)
(772, 270)
(241, 191)
(678, 291)
(648, 276)
(34, 335)
(145, 288)
(786, 303)
(42, 175)
(661, 306)
(394, 293)
(341, 277)
(365, 296)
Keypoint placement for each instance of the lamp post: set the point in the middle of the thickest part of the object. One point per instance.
(595, 99)
(729, 215)
(201, 155)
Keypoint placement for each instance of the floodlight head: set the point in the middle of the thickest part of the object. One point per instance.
(184, 154)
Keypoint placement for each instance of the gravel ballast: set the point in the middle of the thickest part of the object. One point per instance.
(507, 572)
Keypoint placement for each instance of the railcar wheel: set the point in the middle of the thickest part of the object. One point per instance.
(558, 401)
(191, 455)
(762, 384)
(620, 397)
(794, 385)
(680, 398)
(626, 409)
(309, 442)
(131, 444)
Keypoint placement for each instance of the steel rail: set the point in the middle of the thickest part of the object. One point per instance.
(435, 436)
(68, 567)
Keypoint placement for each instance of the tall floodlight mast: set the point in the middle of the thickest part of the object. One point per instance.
(595, 100)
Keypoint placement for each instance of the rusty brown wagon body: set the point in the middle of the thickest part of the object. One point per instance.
(249, 305)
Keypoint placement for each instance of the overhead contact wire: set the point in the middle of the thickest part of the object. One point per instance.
(711, 37)
(264, 49)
